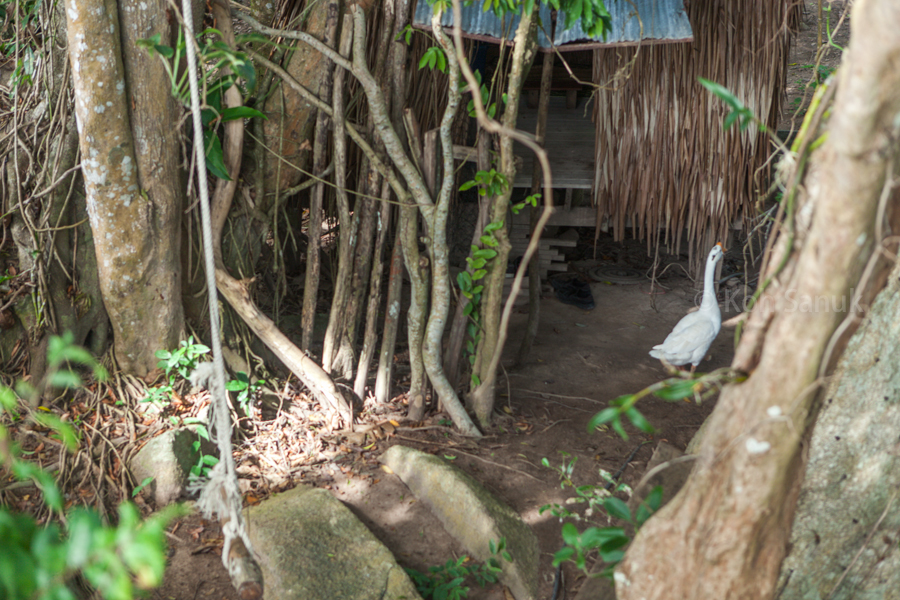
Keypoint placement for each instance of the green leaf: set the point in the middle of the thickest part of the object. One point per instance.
(468, 185)
(638, 420)
(144, 483)
(490, 241)
(729, 120)
(485, 253)
(722, 93)
(214, 156)
(616, 424)
(493, 226)
(617, 509)
(563, 555)
(679, 389)
(570, 534)
(649, 506)
(594, 537)
(7, 399)
(464, 280)
(241, 112)
(64, 379)
(81, 526)
(65, 431)
(604, 416)
(479, 274)
(245, 69)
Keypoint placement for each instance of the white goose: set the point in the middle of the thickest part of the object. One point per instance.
(696, 331)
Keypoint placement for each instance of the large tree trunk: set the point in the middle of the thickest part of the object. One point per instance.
(725, 534)
(136, 257)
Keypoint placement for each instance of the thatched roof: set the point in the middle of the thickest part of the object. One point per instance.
(662, 158)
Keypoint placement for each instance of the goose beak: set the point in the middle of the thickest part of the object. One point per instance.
(721, 247)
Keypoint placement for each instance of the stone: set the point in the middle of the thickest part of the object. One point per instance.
(668, 467)
(168, 459)
(310, 546)
(471, 514)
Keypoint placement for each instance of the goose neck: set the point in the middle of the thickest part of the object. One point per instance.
(709, 292)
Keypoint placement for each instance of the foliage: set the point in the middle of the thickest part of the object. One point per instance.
(215, 58)
(42, 561)
(447, 581)
(592, 495)
(206, 461)
(698, 386)
(181, 361)
(245, 389)
(608, 542)
(21, 49)
(739, 113)
(490, 183)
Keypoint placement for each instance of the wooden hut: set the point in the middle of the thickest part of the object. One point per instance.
(661, 163)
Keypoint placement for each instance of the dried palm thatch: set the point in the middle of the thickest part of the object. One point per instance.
(662, 158)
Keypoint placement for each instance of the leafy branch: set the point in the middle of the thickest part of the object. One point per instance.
(698, 386)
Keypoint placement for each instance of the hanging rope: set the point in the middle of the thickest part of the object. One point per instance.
(220, 494)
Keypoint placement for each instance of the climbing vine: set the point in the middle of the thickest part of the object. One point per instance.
(490, 183)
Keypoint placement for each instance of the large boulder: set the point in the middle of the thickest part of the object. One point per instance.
(471, 514)
(310, 546)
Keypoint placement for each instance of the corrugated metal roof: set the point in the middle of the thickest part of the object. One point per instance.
(662, 20)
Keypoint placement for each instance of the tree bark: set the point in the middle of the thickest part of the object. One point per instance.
(725, 534)
(458, 328)
(349, 224)
(492, 299)
(371, 334)
(141, 289)
(320, 158)
(440, 267)
(391, 324)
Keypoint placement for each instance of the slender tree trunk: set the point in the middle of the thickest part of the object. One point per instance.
(492, 300)
(391, 324)
(417, 268)
(397, 78)
(725, 534)
(460, 320)
(440, 273)
(534, 271)
(370, 337)
(137, 250)
(348, 223)
(367, 210)
(320, 159)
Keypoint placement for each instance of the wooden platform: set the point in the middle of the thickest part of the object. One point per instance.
(569, 144)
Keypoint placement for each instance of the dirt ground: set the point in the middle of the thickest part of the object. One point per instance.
(580, 360)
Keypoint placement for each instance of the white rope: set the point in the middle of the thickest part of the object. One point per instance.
(220, 494)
